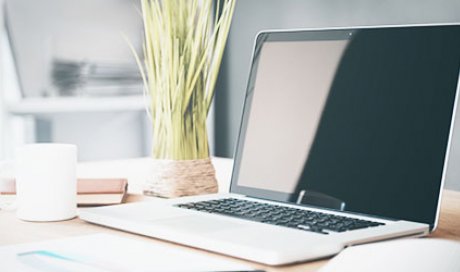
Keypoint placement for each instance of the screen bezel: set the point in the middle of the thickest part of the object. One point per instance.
(305, 35)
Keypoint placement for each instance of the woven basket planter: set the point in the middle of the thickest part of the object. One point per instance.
(176, 178)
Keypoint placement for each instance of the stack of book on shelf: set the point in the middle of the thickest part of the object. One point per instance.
(71, 77)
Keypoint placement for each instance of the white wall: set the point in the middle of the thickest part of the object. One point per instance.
(103, 135)
(2, 107)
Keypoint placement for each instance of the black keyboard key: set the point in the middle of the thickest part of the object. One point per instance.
(280, 215)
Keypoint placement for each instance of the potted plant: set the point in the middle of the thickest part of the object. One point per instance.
(183, 48)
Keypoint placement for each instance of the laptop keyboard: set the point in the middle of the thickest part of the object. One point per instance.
(280, 215)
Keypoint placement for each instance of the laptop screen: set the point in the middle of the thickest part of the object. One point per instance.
(356, 120)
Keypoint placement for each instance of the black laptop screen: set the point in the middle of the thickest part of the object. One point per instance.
(356, 120)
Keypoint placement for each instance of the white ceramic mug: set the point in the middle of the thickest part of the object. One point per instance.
(46, 182)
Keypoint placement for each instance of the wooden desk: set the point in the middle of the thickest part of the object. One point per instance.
(14, 231)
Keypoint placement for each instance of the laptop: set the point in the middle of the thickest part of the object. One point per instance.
(344, 140)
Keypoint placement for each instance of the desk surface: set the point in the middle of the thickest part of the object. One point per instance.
(15, 231)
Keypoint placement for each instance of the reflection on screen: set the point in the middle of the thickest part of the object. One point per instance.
(296, 76)
(363, 122)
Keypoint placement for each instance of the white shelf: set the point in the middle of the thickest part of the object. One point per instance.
(52, 105)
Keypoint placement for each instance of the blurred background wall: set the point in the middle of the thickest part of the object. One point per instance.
(69, 76)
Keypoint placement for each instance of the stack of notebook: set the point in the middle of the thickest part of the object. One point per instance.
(89, 191)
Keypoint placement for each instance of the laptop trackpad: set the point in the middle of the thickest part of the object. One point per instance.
(197, 224)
